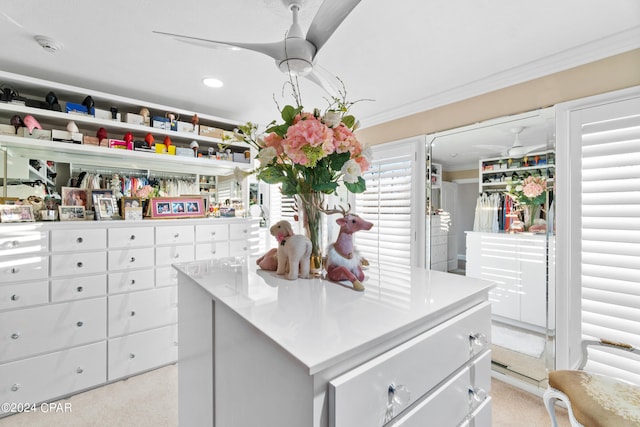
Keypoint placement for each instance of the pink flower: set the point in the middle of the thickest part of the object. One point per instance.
(275, 141)
(533, 186)
(363, 162)
(306, 134)
(344, 140)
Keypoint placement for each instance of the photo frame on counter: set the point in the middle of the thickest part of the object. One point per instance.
(177, 207)
(104, 208)
(97, 194)
(71, 213)
(72, 196)
(16, 213)
(131, 208)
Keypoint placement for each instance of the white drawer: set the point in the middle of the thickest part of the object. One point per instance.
(166, 276)
(45, 377)
(241, 247)
(22, 240)
(212, 232)
(78, 240)
(212, 250)
(125, 259)
(130, 237)
(134, 280)
(18, 268)
(481, 417)
(24, 294)
(174, 234)
(438, 240)
(48, 328)
(81, 287)
(173, 254)
(142, 351)
(242, 230)
(78, 263)
(360, 396)
(138, 311)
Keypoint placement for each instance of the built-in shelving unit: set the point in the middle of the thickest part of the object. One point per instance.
(496, 173)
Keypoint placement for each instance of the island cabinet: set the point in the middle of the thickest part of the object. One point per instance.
(83, 303)
(256, 349)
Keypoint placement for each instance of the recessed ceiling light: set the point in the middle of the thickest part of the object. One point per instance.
(211, 82)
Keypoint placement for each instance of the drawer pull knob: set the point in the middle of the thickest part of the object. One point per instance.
(213, 233)
(15, 270)
(79, 264)
(14, 244)
(176, 256)
(477, 394)
(15, 335)
(132, 356)
(15, 297)
(175, 236)
(133, 282)
(79, 240)
(132, 237)
(15, 387)
(133, 259)
(79, 289)
(79, 371)
(132, 313)
(398, 394)
(478, 340)
(79, 324)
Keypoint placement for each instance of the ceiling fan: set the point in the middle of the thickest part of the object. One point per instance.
(516, 149)
(296, 53)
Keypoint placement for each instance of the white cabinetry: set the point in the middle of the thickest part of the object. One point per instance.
(496, 172)
(83, 303)
(437, 248)
(517, 263)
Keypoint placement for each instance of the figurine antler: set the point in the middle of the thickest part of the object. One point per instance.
(335, 210)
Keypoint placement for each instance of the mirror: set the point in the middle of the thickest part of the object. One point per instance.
(470, 230)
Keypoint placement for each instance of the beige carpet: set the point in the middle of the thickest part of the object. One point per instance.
(150, 400)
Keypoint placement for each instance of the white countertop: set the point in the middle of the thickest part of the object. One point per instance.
(320, 322)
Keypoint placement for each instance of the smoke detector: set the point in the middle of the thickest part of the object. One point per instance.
(48, 44)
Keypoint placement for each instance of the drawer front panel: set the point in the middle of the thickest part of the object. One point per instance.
(134, 280)
(36, 330)
(15, 269)
(78, 288)
(142, 351)
(45, 377)
(212, 232)
(242, 247)
(24, 295)
(166, 255)
(166, 276)
(137, 311)
(78, 263)
(130, 237)
(447, 406)
(242, 230)
(126, 259)
(78, 240)
(174, 234)
(212, 250)
(360, 397)
(21, 240)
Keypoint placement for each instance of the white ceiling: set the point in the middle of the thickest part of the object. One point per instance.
(407, 56)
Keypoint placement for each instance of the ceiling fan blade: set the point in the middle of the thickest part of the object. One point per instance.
(325, 80)
(329, 17)
(275, 50)
(493, 148)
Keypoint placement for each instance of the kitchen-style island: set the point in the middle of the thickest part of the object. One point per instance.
(258, 350)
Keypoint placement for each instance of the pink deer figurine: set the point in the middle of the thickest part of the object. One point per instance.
(343, 260)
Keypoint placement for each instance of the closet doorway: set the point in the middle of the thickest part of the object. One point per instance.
(469, 227)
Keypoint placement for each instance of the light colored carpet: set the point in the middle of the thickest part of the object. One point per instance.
(151, 400)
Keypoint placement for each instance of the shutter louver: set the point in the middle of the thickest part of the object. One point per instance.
(387, 204)
(610, 239)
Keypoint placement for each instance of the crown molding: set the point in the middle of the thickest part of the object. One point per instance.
(615, 44)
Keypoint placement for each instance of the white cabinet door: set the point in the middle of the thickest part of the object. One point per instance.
(74, 288)
(133, 280)
(78, 263)
(170, 235)
(24, 295)
(18, 268)
(79, 239)
(137, 311)
(128, 259)
(130, 237)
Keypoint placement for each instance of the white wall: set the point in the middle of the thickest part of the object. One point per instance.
(465, 212)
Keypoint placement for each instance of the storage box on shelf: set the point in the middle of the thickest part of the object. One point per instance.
(83, 303)
(496, 172)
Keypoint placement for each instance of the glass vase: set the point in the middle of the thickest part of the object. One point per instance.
(310, 217)
(531, 213)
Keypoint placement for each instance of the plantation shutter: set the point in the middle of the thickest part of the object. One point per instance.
(610, 232)
(387, 203)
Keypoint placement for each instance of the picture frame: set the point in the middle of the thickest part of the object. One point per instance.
(130, 202)
(104, 208)
(97, 194)
(71, 213)
(72, 196)
(16, 213)
(176, 207)
(132, 213)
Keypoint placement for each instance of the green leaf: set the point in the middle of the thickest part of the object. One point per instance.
(289, 113)
(280, 130)
(326, 187)
(357, 187)
(337, 160)
(271, 176)
(349, 121)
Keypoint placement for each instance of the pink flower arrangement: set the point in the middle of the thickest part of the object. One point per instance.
(533, 186)
(531, 191)
(310, 152)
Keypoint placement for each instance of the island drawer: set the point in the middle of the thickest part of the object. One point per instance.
(360, 396)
